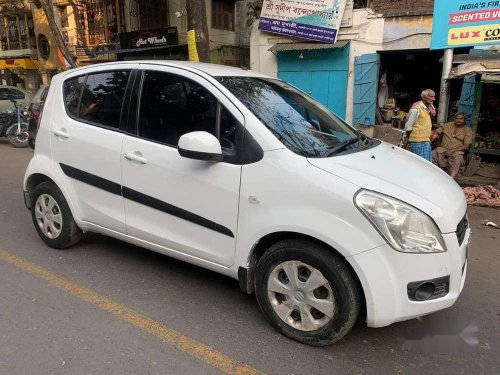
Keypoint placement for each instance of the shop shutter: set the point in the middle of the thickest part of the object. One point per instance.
(366, 68)
(467, 97)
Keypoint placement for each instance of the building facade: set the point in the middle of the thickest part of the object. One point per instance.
(18, 52)
(103, 30)
(387, 41)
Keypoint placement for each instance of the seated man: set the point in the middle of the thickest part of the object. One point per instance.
(457, 138)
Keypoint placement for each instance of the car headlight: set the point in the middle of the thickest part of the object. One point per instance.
(404, 227)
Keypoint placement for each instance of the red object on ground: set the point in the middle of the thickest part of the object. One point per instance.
(486, 196)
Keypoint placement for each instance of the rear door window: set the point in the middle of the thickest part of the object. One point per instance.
(97, 98)
(102, 98)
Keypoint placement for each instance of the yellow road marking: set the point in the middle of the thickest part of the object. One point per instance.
(168, 335)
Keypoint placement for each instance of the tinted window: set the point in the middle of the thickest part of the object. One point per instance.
(7, 93)
(172, 106)
(102, 98)
(72, 90)
(15, 94)
(300, 123)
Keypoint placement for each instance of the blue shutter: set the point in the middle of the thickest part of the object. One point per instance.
(366, 68)
(466, 104)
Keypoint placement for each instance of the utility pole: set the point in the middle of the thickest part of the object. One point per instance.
(197, 21)
(48, 9)
(444, 93)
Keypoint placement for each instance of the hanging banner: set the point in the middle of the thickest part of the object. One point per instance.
(307, 19)
(465, 23)
(62, 60)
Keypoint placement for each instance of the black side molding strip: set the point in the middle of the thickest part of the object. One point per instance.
(157, 204)
(88, 178)
(146, 200)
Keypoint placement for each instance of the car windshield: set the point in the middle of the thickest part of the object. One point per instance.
(303, 125)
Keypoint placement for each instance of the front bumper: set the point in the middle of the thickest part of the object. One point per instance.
(385, 275)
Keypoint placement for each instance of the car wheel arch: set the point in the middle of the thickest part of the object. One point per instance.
(36, 179)
(246, 276)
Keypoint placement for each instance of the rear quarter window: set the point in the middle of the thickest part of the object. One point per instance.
(72, 91)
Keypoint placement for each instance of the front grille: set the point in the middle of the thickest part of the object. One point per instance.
(461, 229)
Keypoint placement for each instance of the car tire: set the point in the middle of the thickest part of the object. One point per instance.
(52, 217)
(322, 280)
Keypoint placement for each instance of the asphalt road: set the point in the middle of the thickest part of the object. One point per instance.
(106, 307)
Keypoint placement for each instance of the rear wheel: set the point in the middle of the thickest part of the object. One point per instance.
(18, 137)
(307, 292)
(52, 217)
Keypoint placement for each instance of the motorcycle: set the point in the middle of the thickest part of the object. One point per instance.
(13, 125)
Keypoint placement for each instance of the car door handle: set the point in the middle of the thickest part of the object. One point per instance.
(135, 157)
(61, 133)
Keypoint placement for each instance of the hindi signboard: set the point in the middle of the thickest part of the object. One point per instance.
(308, 19)
(465, 23)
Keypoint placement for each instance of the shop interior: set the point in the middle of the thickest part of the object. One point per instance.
(402, 78)
(488, 128)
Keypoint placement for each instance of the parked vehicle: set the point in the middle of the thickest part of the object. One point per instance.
(246, 175)
(13, 125)
(34, 110)
(22, 96)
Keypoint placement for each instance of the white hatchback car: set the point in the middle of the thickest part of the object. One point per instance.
(245, 175)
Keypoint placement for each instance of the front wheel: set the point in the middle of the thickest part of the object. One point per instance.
(307, 292)
(18, 138)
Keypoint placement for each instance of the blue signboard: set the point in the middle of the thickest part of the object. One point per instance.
(465, 23)
(317, 20)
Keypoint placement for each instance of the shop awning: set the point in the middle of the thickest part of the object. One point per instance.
(489, 67)
(306, 46)
(17, 64)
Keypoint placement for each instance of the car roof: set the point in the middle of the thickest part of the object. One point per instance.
(215, 70)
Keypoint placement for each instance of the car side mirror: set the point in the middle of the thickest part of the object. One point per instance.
(200, 146)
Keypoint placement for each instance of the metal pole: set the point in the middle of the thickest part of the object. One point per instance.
(444, 93)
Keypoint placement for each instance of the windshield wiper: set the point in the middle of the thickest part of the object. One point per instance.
(343, 145)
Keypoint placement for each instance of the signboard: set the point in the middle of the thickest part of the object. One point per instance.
(308, 19)
(17, 64)
(149, 38)
(465, 23)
